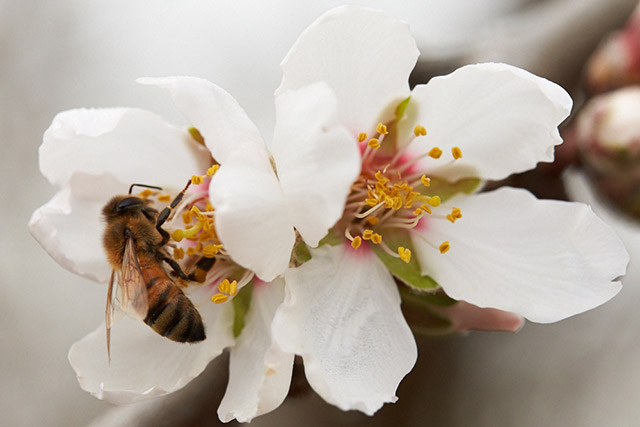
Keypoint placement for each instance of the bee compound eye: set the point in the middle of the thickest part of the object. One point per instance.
(129, 204)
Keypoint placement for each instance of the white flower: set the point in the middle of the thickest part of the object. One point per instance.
(542, 259)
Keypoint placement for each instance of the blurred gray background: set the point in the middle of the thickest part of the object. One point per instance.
(59, 55)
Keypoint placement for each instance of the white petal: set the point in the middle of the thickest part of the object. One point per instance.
(342, 315)
(364, 55)
(317, 159)
(133, 145)
(216, 114)
(543, 259)
(143, 363)
(69, 226)
(259, 372)
(504, 120)
(251, 215)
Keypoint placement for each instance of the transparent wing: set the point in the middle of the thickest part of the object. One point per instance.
(133, 289)
(108, 314)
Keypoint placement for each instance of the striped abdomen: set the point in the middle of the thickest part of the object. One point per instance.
(171, 313)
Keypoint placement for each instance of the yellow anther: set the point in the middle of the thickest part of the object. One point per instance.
(233, 288)
(397, 203)
(209, 207)
(371, 202)
(367, 234)
(145, 193)
(374, 143)
(434, 201)
(219, 298)
(212, 170)
(186, 217)
(456, 213)
(197, 213)
(196, 179)
(362, 136)
(356, 242)
(435, 153)
(382, 129)
(164, 198)
(199, 248)
(376, 238)
(381, 178)
(191, 251)
(451, 218)
(419, 130)
(224, 286)
(405, 254)
(457, 152)
(210, 251)
(444, 247)
(418, 211)
(373, 220)
(425, 208)
(178, 253)
(425, 180)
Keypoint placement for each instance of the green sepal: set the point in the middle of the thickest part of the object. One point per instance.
(402, 108)
(301, 253)
(333, 238)
(408, 273)
(196, 135)
(420, 310)
(241, 303)
(445, 189)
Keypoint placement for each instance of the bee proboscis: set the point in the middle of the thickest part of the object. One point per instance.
(134, 241)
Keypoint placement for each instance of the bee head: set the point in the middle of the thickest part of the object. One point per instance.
(122, 205)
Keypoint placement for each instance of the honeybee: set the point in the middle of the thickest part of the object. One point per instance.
(134, 241)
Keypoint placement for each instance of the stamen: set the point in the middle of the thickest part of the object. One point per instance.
(382, 129)
(444, 247)
(367, 234)
(373, 220)
(210, 251)
(179, 234)
(374, 143)
(456, 152)
(362, 137)
(164, 198)
(196, 179)
(212, 170)
(178, 253)
(186, 217)
(419, 131)
(376, 238)
(435, 153)
(405, 254)
(425, 208)
(219, 298)
(357, 241)
(425, 180)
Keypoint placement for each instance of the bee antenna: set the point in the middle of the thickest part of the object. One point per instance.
(143, 185)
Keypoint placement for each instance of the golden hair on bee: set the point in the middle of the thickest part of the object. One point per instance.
(134, 242)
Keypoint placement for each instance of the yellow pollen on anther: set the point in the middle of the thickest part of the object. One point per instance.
(425, 180)
(224, 286)
(146, 193)
(178, 253)
(444, 247)
(382, 129)
(356, 242)
(374, 143)
(210, 251)
(362, 137)
(456, 152)
(219, 298)
(419, 131)
(405, 254)
(233, 288)
(418, 211)
(434, 201)
(435, 153)
(381, 178)
(186, 217)
(373, 220)
(191, 251)
(212, 170)
(366, 235)
(425, 208)
(164, 198)
(196, 179)
(376, 238)
(209, 207)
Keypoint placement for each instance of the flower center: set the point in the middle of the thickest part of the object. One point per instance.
(389, 194)
(195, 243)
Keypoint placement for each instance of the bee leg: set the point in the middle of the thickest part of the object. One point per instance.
(201, 269)
(164, 213)
(175, 266)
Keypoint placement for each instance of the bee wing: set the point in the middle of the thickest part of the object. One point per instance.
(108, 314)
(133, 289)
